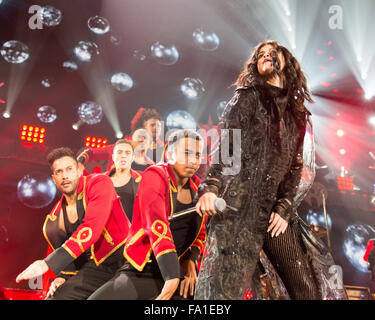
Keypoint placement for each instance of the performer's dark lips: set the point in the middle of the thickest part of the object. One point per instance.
(267, 60)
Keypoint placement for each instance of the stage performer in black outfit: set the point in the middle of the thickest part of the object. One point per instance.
(85, 231)
(124, 178)
(263, 181)
(160, 252)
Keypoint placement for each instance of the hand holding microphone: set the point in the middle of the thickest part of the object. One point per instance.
(210, 204)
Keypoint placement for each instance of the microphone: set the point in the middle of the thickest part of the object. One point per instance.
(220, 205)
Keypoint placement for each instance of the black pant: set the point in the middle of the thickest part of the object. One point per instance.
(288, 256)
(130, 284)
(89, 278)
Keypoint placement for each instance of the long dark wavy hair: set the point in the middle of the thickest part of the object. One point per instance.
(293, 78)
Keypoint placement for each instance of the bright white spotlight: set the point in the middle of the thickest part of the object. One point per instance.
(364, 76)
(368, 96)
(288, 13)
(119, 135)
(6, 114)
(359, 59)
(371, 120)
(75, 126)
(342, 151)
(340, 133)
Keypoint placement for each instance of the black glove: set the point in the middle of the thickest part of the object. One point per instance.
(283, 209)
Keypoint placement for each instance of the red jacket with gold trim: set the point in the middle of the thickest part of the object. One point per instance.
(150, 230)
(104, 226)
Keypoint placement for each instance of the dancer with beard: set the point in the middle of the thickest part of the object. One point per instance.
(85, 231)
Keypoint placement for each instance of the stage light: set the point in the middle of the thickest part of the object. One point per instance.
(368, 96)
(371, 120)
(95, 142)
(364, 76)
(342, 151)
(6, 114)
(1, 84)
(340, 133)
(32, 134)
(119, 135)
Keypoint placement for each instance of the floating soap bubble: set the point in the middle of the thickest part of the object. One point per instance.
(46, 114)
(14, 51)
(115, 39)
(192, 88)
(86, 50)
(90, 112)
(164, 55)
(220, 109)
(354, 245)
(98, 25)
(36, 190)
(47, 82)
(51, 16)
(122, 81)
(180, 119)
(70, 66)
(206, 41)
(139, 55)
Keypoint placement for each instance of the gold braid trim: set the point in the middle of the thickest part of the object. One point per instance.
(162, 227)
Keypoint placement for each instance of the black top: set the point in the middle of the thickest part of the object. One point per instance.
(127, 198)
(280, 96)
(70, 228)
(139, 167)
(182, 227)
(153, 153)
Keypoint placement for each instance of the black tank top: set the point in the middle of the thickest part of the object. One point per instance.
(183, 226)
(70, 228)
(127, 198)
